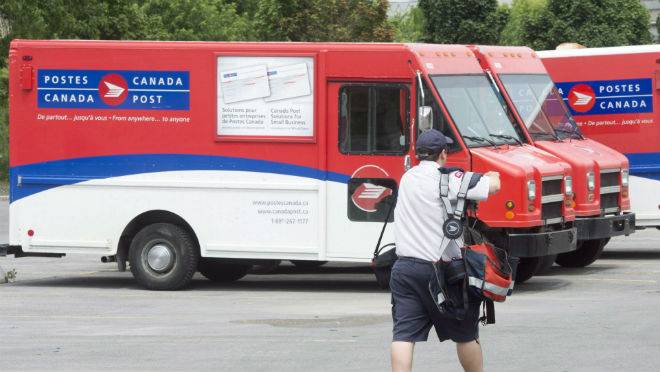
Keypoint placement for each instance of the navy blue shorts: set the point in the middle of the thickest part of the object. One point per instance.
(413, 309)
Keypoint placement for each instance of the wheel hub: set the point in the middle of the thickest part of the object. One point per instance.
(160, 257)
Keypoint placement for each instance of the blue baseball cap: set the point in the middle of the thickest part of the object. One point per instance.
(431, 141)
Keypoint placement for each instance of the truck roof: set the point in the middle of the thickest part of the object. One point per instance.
(434, 58)
(511, 59)
(632, 49)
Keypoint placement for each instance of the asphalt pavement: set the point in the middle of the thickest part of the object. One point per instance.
(76, 313)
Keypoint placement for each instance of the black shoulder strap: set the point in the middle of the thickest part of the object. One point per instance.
(382, 231)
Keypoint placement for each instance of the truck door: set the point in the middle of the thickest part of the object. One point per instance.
(369, 140)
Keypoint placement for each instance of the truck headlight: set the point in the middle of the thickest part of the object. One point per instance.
(531, 190)
(568, 185)
(591, 181)
(624, 177)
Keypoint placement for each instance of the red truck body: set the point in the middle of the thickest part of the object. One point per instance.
(601, 198)
(614, 96)
(258, 151)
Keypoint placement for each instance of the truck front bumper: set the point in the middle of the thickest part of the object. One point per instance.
(590, 228)
(542, 243)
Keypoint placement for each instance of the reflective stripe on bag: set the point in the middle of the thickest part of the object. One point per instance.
(490, 287)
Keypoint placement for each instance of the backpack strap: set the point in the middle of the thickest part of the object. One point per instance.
(462, 195)
(466, 184)
(444, 193)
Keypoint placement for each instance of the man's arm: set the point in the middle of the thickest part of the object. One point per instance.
(488, 184)
(494, 186)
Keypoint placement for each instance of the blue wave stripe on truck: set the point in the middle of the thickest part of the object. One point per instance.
(39, 177)
(645, 165)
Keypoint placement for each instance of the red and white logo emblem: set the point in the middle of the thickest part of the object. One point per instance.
(581, 98)
(113, 89)
(367, 195)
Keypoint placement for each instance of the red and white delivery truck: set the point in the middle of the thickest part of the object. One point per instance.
(614, 96)
(186, 156)
(600, 174)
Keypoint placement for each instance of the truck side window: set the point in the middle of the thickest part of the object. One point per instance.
(373, 119)
(439, 121)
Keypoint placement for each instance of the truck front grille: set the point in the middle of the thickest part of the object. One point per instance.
(551, 187)
(609, 190)
(609, 177)
(609, 203)
(551, 211)
(552, 199)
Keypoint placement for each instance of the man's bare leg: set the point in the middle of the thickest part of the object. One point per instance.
(469, 354)
(402, 356)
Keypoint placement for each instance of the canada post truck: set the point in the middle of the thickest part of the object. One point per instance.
(614, 96)
(178, 157)
(600, 174)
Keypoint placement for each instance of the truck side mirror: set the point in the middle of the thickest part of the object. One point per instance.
(424, 118)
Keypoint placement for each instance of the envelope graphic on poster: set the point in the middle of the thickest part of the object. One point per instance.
(244, 84)
(288, 82)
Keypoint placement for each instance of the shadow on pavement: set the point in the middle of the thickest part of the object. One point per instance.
(273, 284)
(559, 270)
(308, 280)
(539, 284)
(629, 255)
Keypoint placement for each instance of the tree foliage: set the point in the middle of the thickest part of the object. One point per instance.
(521, 13)
(408, 25)
(592, 23)
(463, 21)
(330, 20)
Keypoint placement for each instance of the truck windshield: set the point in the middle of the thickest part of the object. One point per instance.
(476, 110)
(540, 106)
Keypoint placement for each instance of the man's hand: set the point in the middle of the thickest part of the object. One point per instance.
(494, 178)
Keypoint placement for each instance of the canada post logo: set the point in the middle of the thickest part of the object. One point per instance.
(367, 196)
(124, 90)
(608, 96)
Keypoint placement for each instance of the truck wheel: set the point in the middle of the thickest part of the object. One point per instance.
(527, 267)
(163, 256)
(546, 263)
(587, 252)
(221, 271)
(308, 264)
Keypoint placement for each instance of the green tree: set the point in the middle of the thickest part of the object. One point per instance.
(522, 13)
(323, 20)
(408, 25)
(592, 23)
(207, 20)
(463, 21)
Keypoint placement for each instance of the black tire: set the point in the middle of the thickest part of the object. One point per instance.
(182, 257)
(527, 267)
(308, 264)
(222, 271)
(546, 263)
(587, 252)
